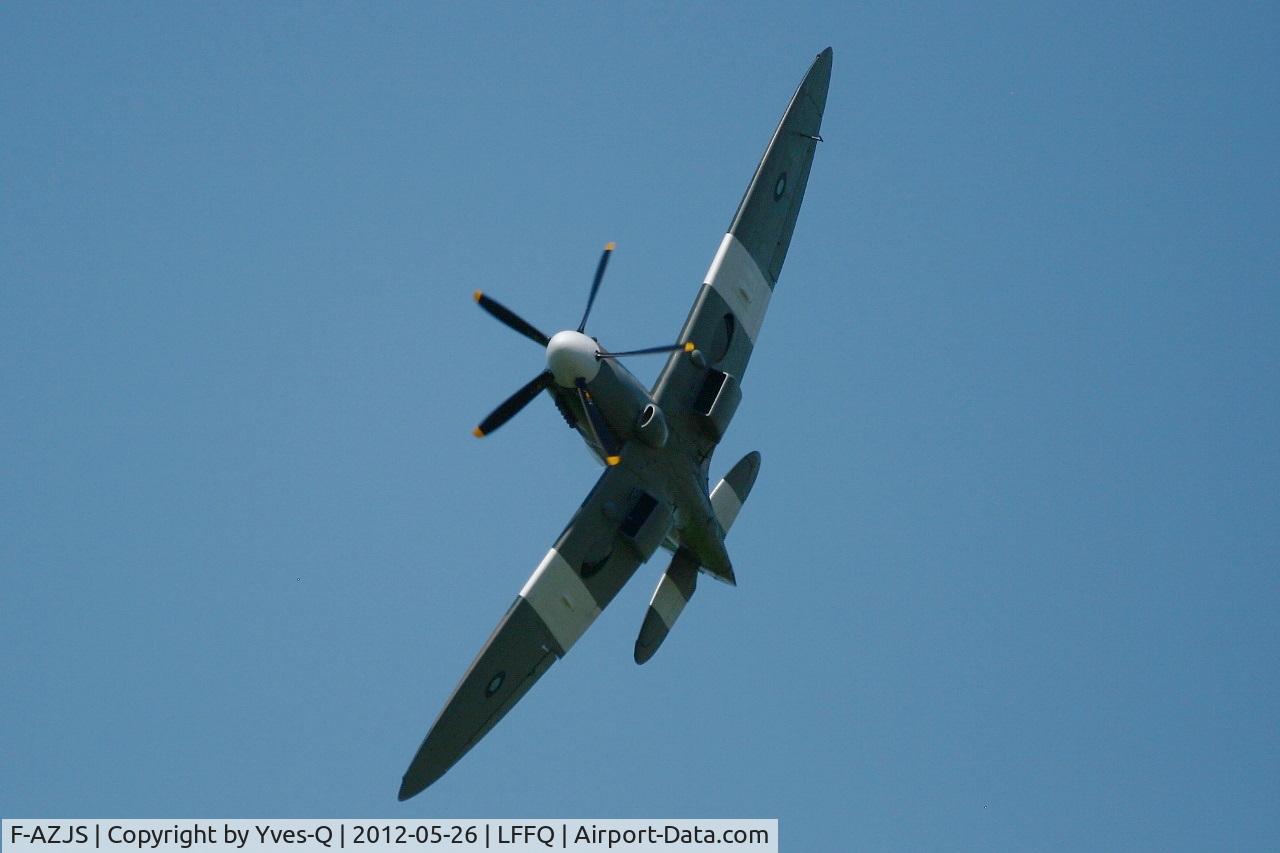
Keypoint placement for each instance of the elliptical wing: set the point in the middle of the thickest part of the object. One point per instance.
(729, 310)
(617, 528)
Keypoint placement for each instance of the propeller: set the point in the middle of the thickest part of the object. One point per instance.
(572, 348)
(513, 404)
(599, 429)
(687, 346)
(595, 282)
(511, 319)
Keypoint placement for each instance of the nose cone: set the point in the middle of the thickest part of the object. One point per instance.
(572, 356)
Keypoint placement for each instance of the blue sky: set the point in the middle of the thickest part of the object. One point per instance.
(1008, 578)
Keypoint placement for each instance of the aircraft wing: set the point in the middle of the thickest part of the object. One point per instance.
(618, 527)
(727, 315)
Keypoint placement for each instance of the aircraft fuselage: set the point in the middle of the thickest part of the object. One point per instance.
(633, 416)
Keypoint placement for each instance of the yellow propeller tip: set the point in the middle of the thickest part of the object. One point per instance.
(609, 247)
(477, 432)
(476, 296)
(689, 347)
(613, 460)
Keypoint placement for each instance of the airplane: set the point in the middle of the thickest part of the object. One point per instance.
(656, 446)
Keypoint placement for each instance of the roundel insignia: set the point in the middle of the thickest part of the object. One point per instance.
(780, 187)
(494, 684)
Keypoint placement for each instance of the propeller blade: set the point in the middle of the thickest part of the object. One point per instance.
(599, 429)
(511, 319)
(686, 346)
(595, 284)
(513, 404)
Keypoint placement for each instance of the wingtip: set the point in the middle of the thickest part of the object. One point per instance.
(823, 62)
(477, 295)
(421, 775)
(610, 246)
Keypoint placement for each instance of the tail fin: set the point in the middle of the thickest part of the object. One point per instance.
(679, 581)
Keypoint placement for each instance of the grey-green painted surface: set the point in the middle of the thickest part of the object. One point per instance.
(655, 493)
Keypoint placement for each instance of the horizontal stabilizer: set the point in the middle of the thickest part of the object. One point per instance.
(730, 493)
(679, 581)
(675, 588)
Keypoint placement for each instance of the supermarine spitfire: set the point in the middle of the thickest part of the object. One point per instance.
(656, 446)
